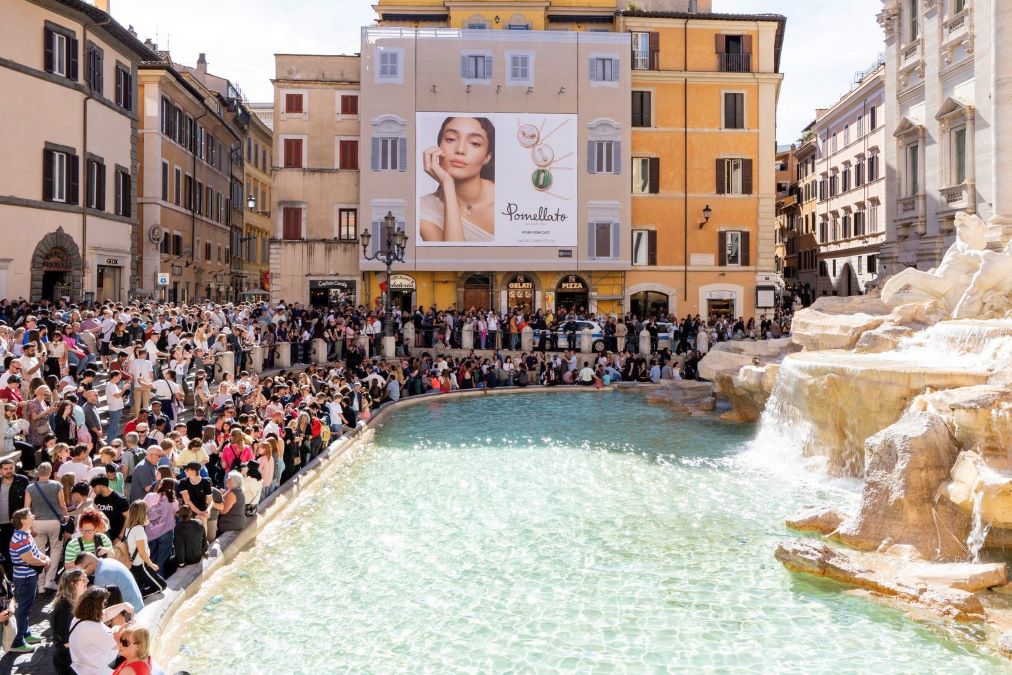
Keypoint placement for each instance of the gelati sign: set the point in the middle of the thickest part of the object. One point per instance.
(520, 283)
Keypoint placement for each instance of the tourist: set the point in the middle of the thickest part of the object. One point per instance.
(26, 559)
(189, 538)
(162, 509)
(143, 568)
(110, 504)
(142, 478)
(92, 643)
(13, 487)
(73, 584)
(45, 500)
(134, 647)
(110, 572)
(232, 508)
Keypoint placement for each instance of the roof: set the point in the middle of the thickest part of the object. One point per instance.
(392, 16)
(717, 16)
(113, 27)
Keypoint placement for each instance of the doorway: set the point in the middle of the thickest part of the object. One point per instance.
(720, 308)
(520, 293)
(572, 294)
(57, 268)
(107, 283)
(54, 285)
(477, 292)
(649, 303)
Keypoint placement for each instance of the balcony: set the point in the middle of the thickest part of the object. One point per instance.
(957, 198)
(734, 63)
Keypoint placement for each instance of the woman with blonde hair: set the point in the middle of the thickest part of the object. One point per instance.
(142, 567)
(37, 412)
(134, 645)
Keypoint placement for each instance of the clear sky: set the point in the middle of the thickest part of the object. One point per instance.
(826, 42)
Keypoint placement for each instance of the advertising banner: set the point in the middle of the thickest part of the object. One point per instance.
(496, 179)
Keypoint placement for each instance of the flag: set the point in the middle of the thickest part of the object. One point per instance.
(383, 287)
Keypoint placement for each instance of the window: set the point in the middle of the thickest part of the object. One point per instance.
(123, 193)
(644, 247)
(59, 177)
(734, 53)
(60, 52)
(823, 231)
(913, 170)
(220, 209)
(872, 168)
(389, 65)
(348, 155)
(846, 180)
(177, 244)
(859, 224)
(846, 135)
(389, 154)
(858, 174)
(124, 88)
(349, 104)
(734, 176)
(872, 121)
(291, 223)
(518, 22)
(519, 67)
(733, 248)
(834, 142)
(176, 186)
(165, 181)
(476, 66)
(872, 264)
(833, 185)
(94, 177)
(913, 26)
(823, 269)
(219, 253)
(645, 51)
(641, 108)
(476, 22)
(347, 224)
(293, 153)
(959, 156)
(646, 175)
(207, 251)
(293, 104)
(604, 157)
(600, 241)
(93, 69)
(198, 198)
(604, 69)
(860, 125)
(188, 193)
(208, 201)
(249, 149)
(734, 111)
(263, 160)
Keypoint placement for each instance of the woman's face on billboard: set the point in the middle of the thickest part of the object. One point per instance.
(465, 148)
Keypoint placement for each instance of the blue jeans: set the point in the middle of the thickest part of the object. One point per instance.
(161, 549)
(24, 595)
(113, 428)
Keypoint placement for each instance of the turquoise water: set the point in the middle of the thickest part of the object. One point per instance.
(533, 533)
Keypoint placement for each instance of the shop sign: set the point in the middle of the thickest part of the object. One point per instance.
(765, 296)
(565, 253)
(57, 260)
(402, 282)
(521, 283)
(114, 262)
(342, 286)
(572, 284)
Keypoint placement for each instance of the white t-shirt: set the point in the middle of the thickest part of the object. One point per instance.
(141, 368)
(92, 648)
(136, 534)
(79, 469)
(113, 402)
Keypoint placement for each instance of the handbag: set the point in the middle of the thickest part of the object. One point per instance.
(67, 526)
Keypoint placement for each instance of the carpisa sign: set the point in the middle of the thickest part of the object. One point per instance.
(496, 179)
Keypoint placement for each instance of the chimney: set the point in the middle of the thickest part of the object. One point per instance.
(103, 5)
(202, 64)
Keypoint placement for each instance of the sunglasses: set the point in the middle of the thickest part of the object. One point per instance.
(125, 642)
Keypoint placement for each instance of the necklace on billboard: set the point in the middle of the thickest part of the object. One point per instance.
(533, 137)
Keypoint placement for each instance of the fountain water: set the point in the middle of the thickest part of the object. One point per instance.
(978, 533)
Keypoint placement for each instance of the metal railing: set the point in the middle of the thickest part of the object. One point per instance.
(734, 63)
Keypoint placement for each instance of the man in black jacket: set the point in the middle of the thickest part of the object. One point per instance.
(12, 498)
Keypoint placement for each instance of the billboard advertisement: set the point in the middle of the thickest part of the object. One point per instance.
(496, 179)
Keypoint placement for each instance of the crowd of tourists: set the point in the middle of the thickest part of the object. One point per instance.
(128, 447)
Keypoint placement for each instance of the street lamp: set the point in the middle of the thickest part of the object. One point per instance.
(391, 250)
(707, 212)
(251, 201)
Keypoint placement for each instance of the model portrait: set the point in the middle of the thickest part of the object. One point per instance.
(463, 165)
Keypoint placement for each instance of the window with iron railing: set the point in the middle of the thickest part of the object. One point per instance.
(734, 53)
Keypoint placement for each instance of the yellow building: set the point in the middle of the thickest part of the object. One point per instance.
(694, 232)
(257, 222)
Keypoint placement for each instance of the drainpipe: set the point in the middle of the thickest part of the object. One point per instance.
(193, 201)
(84, 151)
(685, 155)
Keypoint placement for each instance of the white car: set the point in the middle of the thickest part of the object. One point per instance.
(597, 335)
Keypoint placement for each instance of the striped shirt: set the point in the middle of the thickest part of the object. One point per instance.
(21, 543)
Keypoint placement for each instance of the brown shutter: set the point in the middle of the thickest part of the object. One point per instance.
(746, 176)
(72, 179)
(72, 58)
(655, 50)
(47, 175)
(637, 109)
(652, 247)
(647, 104)
(721, 44)
(722, 248)
(746, 44)
(745, 249)
(655, 175)
(100, 186)
(48, 51)
(721, 178)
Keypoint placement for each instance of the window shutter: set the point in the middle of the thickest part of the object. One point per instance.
(47, 174)
(722, 248)
(728, 111)
(590, 157)
(73, 181)
(652, 247)
(637, 109)
(615, 243)
(100, 186)
(463, 66)
(99, 66)
(746, 176)
(592, 239)
(739, 108)
(745, 257)
(655, 50)
(616, 157)
(615, 72)
(402, 154)
(118, 205)
(721, 44)
(746, 44)
(128, 90)
(721, 174)
(72, 58)
(648, 98)
(655, 175)
(593, 70)
(375, 161)
(120, 88)
(49, 59)
(488, 67)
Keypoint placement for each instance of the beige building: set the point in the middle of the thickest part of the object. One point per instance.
(256, 235)
(543, 202)
(802, 246)
(68, 74)
(186, 192)
(851, 145)
(314, 208)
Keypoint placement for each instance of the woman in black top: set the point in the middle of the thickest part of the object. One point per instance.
(72, 584)
(63, 425)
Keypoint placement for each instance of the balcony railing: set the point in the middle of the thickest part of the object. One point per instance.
(734, 63)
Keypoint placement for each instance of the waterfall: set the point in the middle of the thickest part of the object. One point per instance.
(978, 533)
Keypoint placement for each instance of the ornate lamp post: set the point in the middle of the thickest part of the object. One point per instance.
(391, 250)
